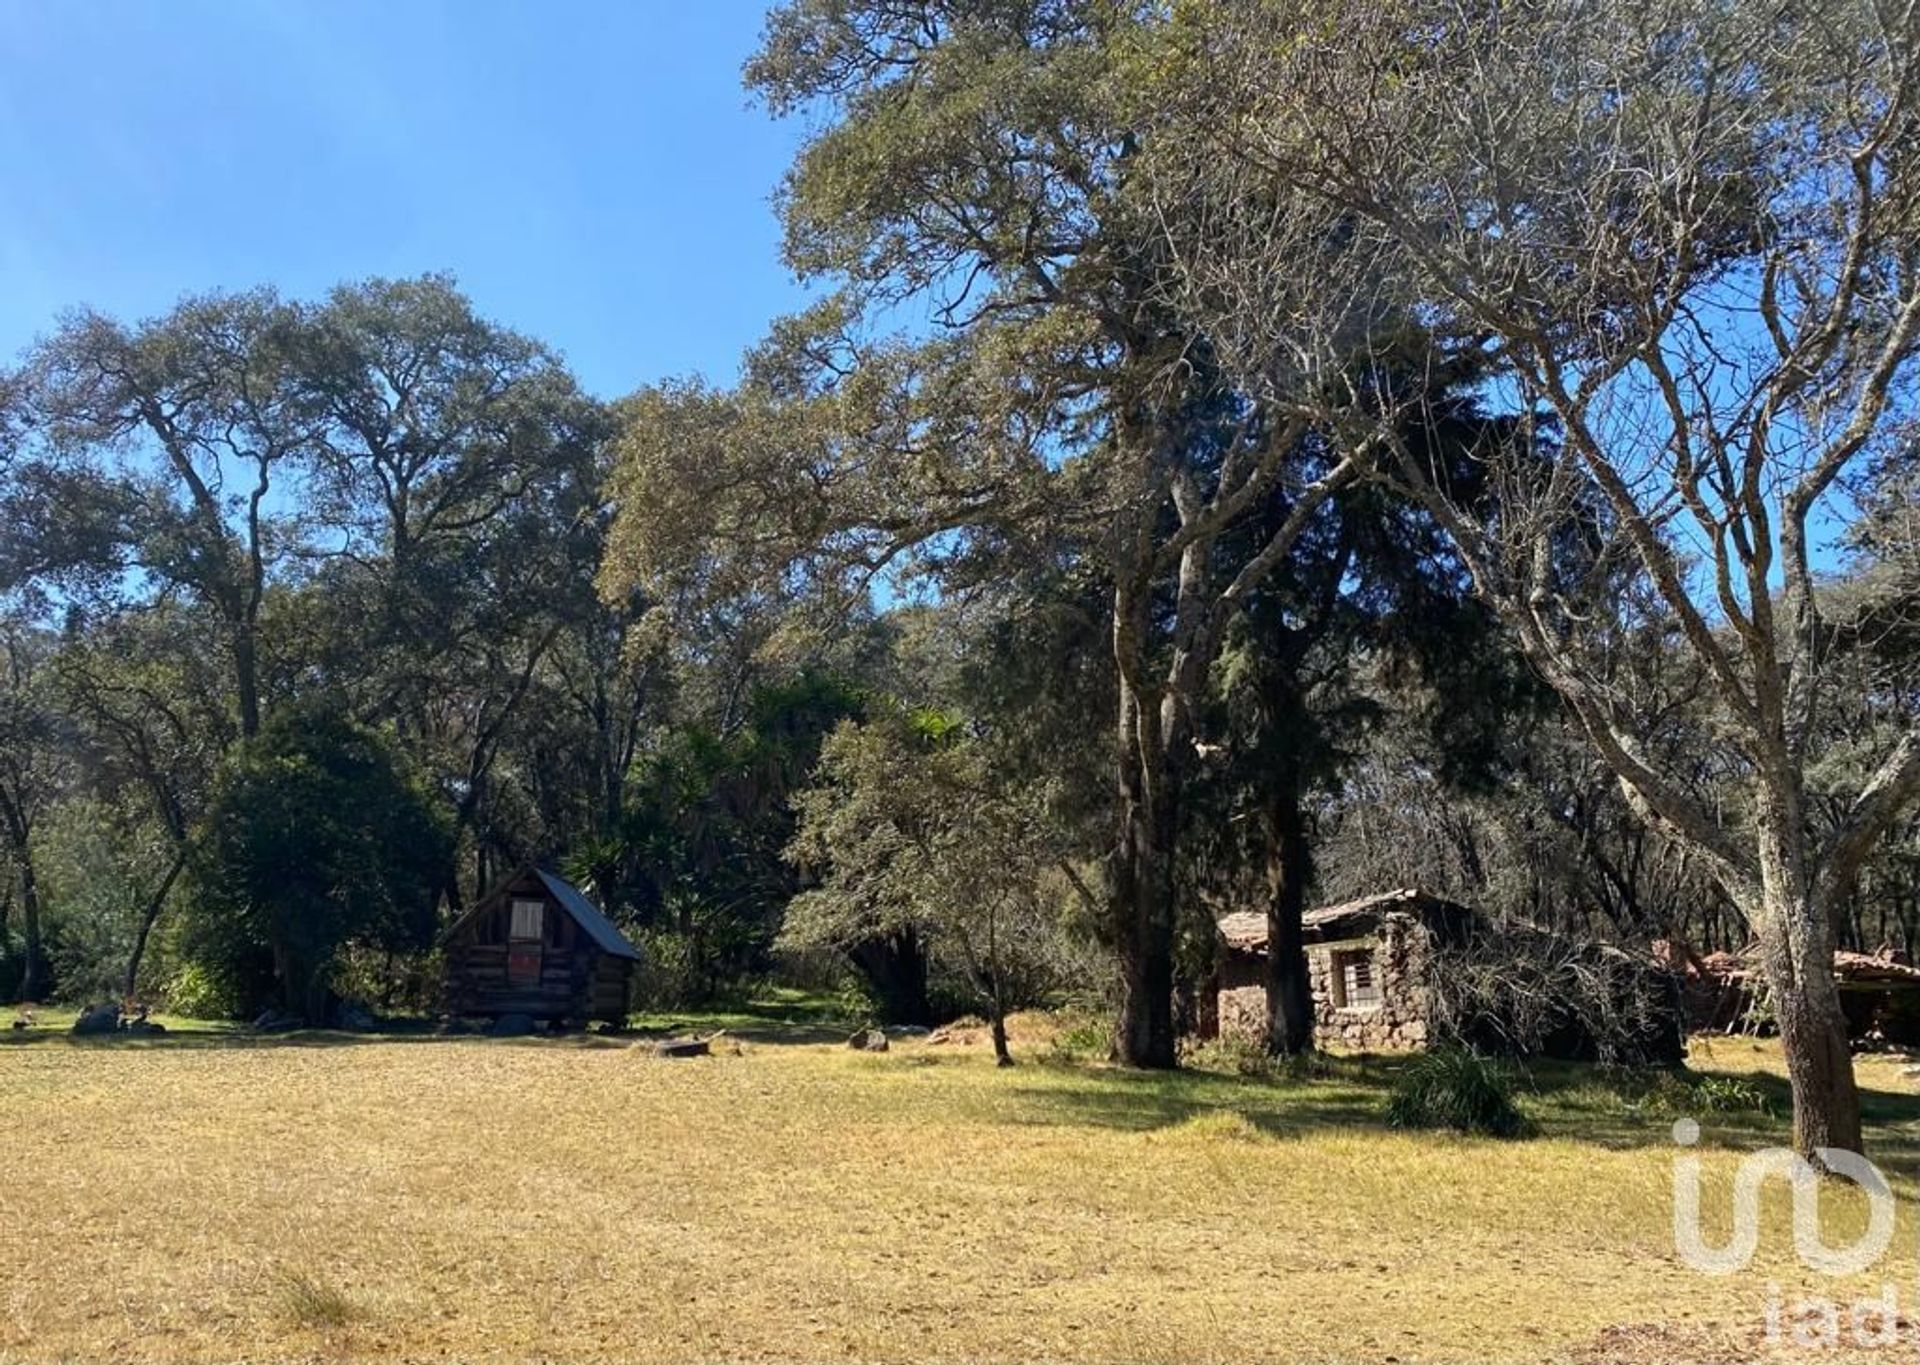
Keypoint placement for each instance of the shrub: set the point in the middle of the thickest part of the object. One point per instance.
(1677, 1093)
(1730, 1095)
(1455, 1089)
(1233, 1053)
(1082, 1036)
(197, 991)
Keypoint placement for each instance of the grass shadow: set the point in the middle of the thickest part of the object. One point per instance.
(1608, 1108)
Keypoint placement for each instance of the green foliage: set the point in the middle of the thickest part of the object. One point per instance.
(1672, 1094)
(1452, 1088)
(1231, 1053)
(97, 862)
(1085, 1037)
(201, 991)
(695, 865)
(911, 834)
(1728, 1095)
(316, 839)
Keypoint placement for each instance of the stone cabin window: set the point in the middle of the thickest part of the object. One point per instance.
(1356, 985)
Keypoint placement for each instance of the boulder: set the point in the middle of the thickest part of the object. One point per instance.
(868, 1040)
(97, 1019)
(354, 1017)
(144, 1027)
(512, 1026)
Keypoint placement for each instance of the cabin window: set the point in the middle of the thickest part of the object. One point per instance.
(1356, 986)
(529, 920)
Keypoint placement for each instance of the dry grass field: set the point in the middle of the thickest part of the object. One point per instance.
(319, 1198)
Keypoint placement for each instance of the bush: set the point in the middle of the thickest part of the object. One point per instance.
(1452, 1088)
(197, 991)
(1678, 1093)
(1730, 1095)
(1082, 1036)
(1232, 1053)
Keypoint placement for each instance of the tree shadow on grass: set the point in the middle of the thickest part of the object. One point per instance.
(242, 1040)
(1608, 1108)
(732, 1026)
(1351, 1096)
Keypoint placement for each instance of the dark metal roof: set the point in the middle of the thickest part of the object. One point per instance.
(587, 915)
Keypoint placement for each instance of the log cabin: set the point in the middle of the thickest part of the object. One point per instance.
(534, 945)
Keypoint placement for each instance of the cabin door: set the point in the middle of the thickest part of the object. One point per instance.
(524, 937)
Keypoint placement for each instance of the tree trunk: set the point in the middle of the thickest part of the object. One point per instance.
(1797, 941)
(1289, 868)
(1141, 893)
(34, 980)
(1143, 1035)
(1797, 944)
(896, 968)
(155, 903)
(304, 992)
(1143, 939)
(246, 672)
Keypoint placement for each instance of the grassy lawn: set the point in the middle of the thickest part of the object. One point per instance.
(205, 1197)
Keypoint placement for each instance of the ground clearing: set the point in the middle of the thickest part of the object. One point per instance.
(318, 1197)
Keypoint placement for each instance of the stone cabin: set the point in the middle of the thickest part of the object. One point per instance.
(1366, 959)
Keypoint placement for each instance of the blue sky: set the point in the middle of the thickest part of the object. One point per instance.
(590, 170)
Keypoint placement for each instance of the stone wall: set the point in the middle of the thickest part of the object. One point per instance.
(1397, 1023)
(1243, 997)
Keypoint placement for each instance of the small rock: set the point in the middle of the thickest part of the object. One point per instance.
(144, 1026)
(97, 1019)
(868, 1040)
(512, 1026)
(354, 1017)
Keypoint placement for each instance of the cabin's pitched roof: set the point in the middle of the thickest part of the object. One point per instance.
(587, 915)
(582, 911)
(1246, 930)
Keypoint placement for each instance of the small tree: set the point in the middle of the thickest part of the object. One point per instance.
(912, 837)
(316, 840)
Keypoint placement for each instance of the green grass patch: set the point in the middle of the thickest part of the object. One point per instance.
(1457, 1090)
